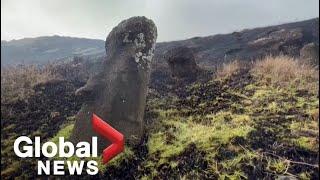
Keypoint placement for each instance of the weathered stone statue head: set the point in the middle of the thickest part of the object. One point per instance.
(118, 93)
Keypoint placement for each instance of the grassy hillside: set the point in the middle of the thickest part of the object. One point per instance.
(42, 50)
(248, 122)
(210, 50)
(253, 120)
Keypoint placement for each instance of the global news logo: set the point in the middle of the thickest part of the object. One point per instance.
(24, 147)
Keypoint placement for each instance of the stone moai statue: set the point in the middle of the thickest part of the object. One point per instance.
(182, 63)
(310, 53)
(118, 93)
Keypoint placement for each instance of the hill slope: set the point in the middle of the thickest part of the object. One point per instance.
(249, 121)
(210, 50)
(248, 44)
(48, 48)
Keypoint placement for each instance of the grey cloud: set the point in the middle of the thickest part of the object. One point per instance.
(175, 19)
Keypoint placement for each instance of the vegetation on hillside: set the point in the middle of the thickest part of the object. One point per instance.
(258, 120)
(30, 107)
(17, 82)
(246, 123)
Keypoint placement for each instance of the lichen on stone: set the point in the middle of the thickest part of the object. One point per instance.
(137, 57)
(139, 41)
(144, 59)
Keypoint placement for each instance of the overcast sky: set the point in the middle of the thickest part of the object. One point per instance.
(175, 19)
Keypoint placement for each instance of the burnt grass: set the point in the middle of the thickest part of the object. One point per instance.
(266, 139)
(209, 90)
(191, 162)
(42, 114)
(38, 114)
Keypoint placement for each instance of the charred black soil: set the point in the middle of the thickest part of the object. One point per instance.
(233, 127)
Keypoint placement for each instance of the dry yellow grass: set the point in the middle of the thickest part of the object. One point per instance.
(228, 70)
(284, 71)
(17, 82)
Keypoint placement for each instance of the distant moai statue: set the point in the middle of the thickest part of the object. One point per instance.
(310, 53)
(182, 63)
(118, 93)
